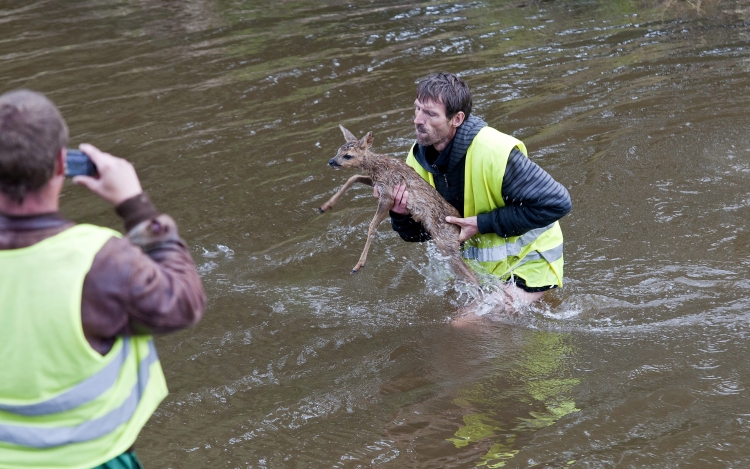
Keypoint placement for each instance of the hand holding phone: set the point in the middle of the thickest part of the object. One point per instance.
(116, 180)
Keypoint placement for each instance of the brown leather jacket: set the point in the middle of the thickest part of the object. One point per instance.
(144, 283)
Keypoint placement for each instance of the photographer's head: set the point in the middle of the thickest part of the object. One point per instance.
(32, 137)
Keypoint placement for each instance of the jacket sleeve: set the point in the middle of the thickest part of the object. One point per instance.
(408, 228)
(143, 283)
(532, 199)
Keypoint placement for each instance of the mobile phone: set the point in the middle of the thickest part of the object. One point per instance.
(78, 163)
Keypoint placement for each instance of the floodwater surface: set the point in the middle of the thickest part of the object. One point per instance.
(230, 111)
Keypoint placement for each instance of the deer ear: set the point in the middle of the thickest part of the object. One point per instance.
(366, 141)
(348, 135)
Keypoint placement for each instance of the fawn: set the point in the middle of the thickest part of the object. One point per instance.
(425, 204)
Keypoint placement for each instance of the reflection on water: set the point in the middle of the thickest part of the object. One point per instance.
(542, 385)
(479, 400)
(229, 111)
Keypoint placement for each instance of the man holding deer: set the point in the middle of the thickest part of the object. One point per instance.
(510, 206)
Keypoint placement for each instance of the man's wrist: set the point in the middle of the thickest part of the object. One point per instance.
(136, 210)
(484, 223)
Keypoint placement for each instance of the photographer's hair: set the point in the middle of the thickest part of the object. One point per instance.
(448, 89)
(32, 133)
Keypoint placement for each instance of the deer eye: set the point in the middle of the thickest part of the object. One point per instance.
(348, 156)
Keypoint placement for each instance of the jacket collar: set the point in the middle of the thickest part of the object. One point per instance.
(32, 222)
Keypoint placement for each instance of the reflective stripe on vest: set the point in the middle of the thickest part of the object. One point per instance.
(82, 393)
(549, 256)
(46, 437)
(503, 251)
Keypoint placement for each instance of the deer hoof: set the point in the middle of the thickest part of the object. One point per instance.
(320, 210)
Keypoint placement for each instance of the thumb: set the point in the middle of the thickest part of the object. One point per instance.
(453, 220)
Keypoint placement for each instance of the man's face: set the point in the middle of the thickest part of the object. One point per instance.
(431, 124)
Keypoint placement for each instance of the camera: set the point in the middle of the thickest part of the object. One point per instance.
(78, 163)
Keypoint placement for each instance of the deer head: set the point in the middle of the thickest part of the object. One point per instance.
(352, 153)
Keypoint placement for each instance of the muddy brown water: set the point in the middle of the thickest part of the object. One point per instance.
(230, 111)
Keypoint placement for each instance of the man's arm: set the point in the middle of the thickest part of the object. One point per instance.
(141, 289)
(533, 199)
(144, 283)
(408, 228)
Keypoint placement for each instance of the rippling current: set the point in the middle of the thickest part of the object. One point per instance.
(230, 111)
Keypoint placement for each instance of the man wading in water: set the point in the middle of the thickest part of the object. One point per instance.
(510, 206)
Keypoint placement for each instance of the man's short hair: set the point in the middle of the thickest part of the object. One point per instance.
(448, 89)
(32, 133)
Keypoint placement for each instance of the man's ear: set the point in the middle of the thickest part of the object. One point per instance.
(458, 119)
(60, 162)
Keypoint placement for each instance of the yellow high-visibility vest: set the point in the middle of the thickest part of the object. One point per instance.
(536, 256)
(63, 404)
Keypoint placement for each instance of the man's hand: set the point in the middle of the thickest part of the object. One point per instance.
(468, 227)
(116, 181)
(400, 198)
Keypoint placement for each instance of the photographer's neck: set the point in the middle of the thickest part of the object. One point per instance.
(45, 200)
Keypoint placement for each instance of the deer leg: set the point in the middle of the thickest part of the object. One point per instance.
(384, 204)
(349, 183)
(452, 251)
